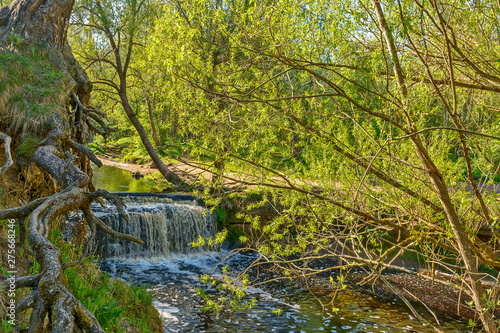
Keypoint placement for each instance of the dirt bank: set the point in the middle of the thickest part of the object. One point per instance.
(143, 169)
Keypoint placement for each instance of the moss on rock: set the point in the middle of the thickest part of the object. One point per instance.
(27, 146)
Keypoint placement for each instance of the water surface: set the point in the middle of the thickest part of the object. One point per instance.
(173, 281)
(113, 179)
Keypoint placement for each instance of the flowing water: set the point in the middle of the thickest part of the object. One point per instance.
(170, 267)
(166, 223)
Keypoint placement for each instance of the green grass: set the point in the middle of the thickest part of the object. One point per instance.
(98, 298)
(31, 88)
(115, 303)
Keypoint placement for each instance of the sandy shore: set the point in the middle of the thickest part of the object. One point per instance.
(143, 169)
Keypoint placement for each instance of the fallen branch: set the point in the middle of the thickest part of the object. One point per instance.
(104, 227)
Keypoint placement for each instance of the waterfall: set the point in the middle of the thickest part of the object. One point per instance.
(166, 223)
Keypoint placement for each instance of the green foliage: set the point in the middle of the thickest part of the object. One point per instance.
(6, 326)
(236, 234)
(157, 182)
(303, 102)
(97, 299)
(221, 213)
(214, 243)
(112, 301)
(231, 289)
(97, 148)
(14, 39)
(27, 146)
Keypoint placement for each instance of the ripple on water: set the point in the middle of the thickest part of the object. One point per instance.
(174, 283)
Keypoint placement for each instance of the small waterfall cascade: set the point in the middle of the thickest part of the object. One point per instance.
(166, 223)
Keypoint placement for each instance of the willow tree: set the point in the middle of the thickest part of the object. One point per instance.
(400, 112)
(46, 117)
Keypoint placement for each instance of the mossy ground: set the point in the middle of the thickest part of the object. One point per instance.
(31, 89)
(27, 146)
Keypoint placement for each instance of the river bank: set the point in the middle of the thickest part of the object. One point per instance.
(143, 169)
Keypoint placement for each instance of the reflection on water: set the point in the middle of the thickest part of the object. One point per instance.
(113, 179)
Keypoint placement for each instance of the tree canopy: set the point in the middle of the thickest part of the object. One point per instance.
(372, 125)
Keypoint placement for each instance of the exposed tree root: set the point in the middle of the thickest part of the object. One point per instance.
(55, 309)
(8, 156)
(50, 297)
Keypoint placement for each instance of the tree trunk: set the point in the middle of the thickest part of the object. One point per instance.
(169, 175)
(151, 122)
(439, 185)
(46, 22)
(122, 68)
(175, 124)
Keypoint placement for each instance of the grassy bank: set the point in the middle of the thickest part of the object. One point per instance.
(118, 305)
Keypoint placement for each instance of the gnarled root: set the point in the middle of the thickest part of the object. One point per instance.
(46, 22)
(50, 297)
(8, 156)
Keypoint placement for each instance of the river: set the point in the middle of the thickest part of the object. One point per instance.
(172, 276)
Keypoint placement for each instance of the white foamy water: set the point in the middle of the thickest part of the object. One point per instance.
(166, 226)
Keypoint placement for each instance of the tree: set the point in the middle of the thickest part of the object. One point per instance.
(116, 30)
(55, 107)
(373, 86)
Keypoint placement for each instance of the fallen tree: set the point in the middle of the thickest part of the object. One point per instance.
(47, 128)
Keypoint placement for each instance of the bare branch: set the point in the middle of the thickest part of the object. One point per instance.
(448, 129)
(21, 211)
(104, 227)
(85, 150)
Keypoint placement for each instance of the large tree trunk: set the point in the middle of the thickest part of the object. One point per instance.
(46, 22)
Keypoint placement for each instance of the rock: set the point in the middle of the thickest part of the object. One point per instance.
(137, 174)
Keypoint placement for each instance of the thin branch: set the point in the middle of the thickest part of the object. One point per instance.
(85, 150)
(445, 128)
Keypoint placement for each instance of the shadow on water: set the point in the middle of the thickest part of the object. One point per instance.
(173, 281)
